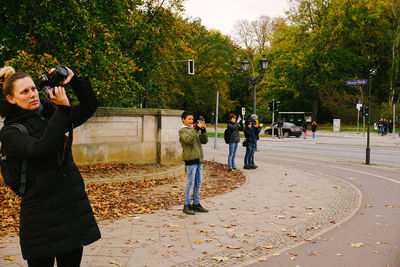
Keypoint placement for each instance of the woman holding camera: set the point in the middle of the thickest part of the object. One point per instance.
(56, 219)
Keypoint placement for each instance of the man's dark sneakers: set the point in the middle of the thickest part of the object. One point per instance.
(188, 209)
(253, 166)
(247, 167)
(198, 208)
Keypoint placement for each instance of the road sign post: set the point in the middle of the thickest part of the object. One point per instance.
(364, 82)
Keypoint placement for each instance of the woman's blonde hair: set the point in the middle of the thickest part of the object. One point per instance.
(8, 76)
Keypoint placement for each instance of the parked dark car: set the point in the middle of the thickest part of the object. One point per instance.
(288, 129)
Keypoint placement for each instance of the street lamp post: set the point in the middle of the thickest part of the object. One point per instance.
(254, 80)
(368, 150)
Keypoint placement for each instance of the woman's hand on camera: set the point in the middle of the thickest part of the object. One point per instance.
(58, 96)
(70, 75)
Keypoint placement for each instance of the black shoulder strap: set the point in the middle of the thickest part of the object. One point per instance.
(24, 164)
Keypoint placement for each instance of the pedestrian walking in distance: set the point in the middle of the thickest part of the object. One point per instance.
(280, 125)
(56, 219)
(191, 140)
(313, 129)
(233, 138)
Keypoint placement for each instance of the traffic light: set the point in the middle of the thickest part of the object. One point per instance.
(366, 111)
(277, 103)
(191, 67)
(270, 105)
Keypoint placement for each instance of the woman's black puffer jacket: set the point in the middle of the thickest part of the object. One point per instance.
(233, 130)
(55, 216)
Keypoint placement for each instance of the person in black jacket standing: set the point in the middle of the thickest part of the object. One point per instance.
(251, 139)
(233, 129)
(313, 128)
(56, 219)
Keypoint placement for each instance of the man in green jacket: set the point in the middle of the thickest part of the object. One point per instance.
(192, 154)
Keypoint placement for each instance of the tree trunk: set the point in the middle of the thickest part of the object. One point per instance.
(315, 104)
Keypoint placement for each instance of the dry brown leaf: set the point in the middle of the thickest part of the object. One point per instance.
(292, 258)
(116, 262)
(292, 234)
(9, 258)
(356, 245)
(293, 253)
(261, 259)
(198, 241)
(268, 246)
(233, 247)
(308, 239)
(314, 253)
(183, 245)
(389, 206)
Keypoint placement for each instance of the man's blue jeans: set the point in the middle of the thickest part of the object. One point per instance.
(232, 154)
(194, 174)
(249, 157)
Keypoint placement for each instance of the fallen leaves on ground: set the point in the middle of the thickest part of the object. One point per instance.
(112, 201)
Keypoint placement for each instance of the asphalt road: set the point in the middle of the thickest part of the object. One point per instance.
(388, 156)
(371, 237)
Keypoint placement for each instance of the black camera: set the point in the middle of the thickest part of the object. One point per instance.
(48, 81)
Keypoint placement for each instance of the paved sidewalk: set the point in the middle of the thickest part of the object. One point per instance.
(276, 208)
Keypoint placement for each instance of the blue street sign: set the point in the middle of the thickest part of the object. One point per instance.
(359, 101)
(356, 82)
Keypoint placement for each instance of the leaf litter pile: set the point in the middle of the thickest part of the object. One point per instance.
(111, 201)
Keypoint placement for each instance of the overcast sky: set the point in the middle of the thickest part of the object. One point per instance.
(222, 14)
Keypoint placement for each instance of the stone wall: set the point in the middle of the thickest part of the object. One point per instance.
(129, 135)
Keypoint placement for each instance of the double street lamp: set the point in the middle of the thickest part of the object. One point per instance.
(254, 80)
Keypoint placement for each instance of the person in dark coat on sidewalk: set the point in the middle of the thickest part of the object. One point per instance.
(56, 219)
(313, 128)
(233, 129)
(251, 139)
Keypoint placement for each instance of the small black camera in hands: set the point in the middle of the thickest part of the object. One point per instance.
(48, 81)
